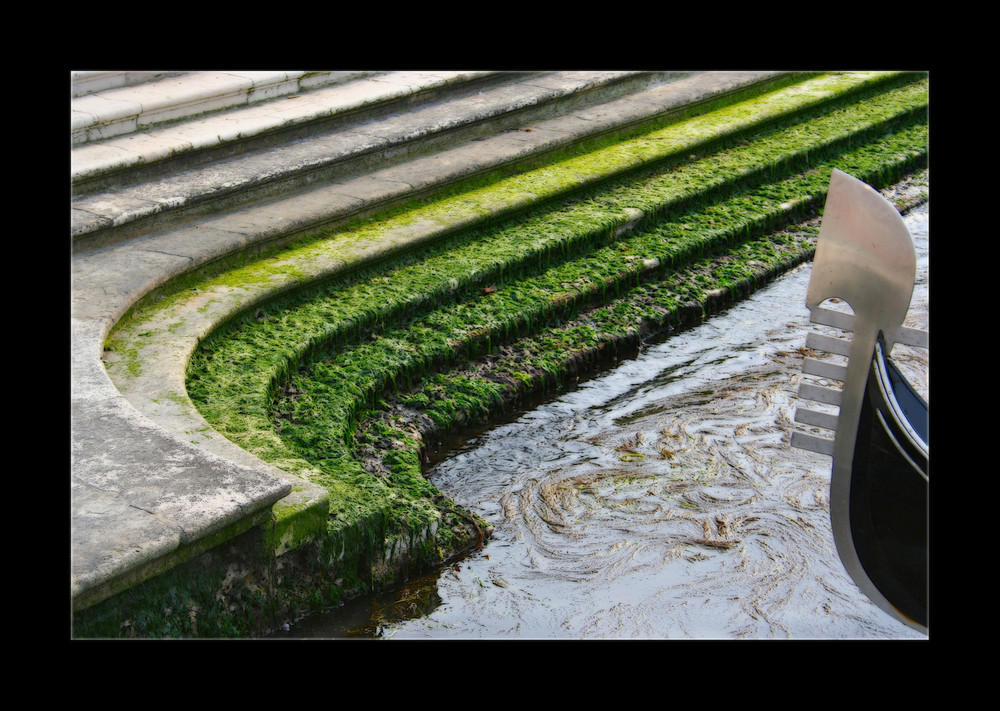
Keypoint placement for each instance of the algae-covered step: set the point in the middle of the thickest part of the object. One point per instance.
(652, 274)
(369, 305)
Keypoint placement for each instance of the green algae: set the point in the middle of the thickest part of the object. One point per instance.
(352, 310)
(474, 394)
(696, 189)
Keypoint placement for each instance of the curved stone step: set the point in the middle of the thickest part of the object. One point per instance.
(142, 500)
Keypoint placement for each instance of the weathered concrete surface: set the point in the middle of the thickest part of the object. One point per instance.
(139, 494)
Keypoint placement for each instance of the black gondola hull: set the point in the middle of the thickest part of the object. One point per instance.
(889, 490)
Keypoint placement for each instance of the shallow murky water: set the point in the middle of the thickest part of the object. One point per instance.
(657, 501)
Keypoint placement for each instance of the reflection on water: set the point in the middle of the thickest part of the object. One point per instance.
(660, 500)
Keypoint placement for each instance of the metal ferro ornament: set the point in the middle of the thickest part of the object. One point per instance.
(865, 257)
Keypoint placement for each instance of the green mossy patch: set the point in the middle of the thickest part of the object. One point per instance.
(387, 357)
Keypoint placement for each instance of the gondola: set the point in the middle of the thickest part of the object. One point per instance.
(880, 480)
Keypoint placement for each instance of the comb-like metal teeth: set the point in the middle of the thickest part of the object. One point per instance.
(827, 396)
(846, 321)
(821, 342)
(912, 337)
(828, 317)
(824, 369)
(812, 443)
(834, 371)
(816, 418)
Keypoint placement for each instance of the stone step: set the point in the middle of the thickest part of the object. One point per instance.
(130, 210)
(585, 99)
(196, 139)
(93, 82)
(109, 104)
